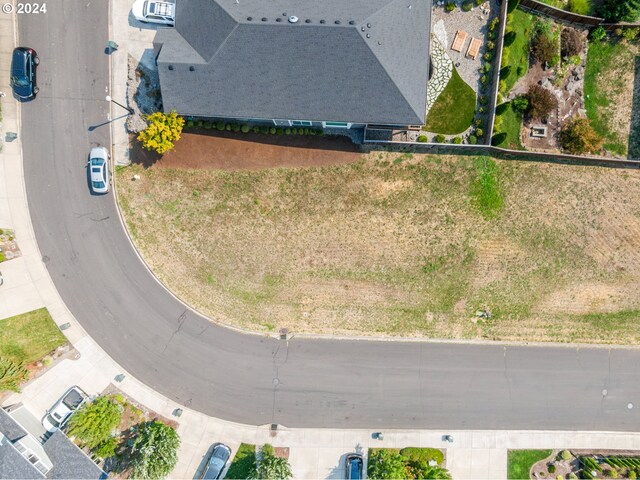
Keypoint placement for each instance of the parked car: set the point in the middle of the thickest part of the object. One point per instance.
(154, 11)
(217, 461)
(58, 415)
(99, 169)
(354, 466)
(23, 72)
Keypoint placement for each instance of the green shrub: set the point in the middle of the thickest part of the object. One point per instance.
(267, 449)
(484, 79)
(520, 70)
(457, 140)
(236, 127)
(490, 45)
(572, 476)
(272, 130)
(306, 130)
(287, 131)
(189, 123)
(220, 126)
(423, 139)
(256, 129)
(488, 56)
(467, 6)
(500, 109)
(450, 7)
(613, 473)
(264, 130)
(439, 138)
(551, 467)
(472, 139)
(479, 2)
(494, 23)
(631, 475)
(2, 257)
(154, 453)
(497, 140)
(483, 100)
(245, 128)
(227, 127)
(12, 374)
(107, 448)
(207, 125)
(565, 455)
(478, 122)
(199, 124)
(509, 38)
(598, 34)
(630, 33)
(520, 104)
(93, 422)
(486, 67)
(491, 35)
(505, 71)
(279, 131)
(479, 132)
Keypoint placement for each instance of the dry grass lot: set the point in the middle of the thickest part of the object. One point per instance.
(396, 244)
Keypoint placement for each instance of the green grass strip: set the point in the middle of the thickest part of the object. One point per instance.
(30, 336)
(519, 462)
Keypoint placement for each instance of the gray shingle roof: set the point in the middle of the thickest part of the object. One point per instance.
(371, 67)
(68, 460)
(10, 428)
(13, 465)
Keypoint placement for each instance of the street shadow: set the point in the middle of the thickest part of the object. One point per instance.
(634, 131)
(93, 127)
(142, 156)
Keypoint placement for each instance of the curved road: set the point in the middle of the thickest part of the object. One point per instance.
(248, 378)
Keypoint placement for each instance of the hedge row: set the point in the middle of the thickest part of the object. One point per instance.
(244, 128)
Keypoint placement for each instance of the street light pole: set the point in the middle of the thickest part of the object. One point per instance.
(109, 99)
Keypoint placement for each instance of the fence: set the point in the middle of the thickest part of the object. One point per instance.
(535, 7)
(503, 153)
(496, 72)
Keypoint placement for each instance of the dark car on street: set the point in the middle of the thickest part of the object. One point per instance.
(217, 461)
(354, 466)
(23, 72)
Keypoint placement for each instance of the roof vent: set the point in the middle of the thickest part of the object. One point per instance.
(278, 19)
(323, 21)
(362, 28)
(293, 19)
(284, 14)
(264, 19)
(308, 20)
(337, 22)
(352, 22)
(192, 68)
(368, 25)
(170, 67)
(368, 35)
(249, 19)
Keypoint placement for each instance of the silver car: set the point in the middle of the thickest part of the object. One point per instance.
(154, 11)
(58, 415)
(99, 170)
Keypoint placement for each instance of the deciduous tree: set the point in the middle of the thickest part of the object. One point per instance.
(155, 451)
(541, 102)
(578, 136)
(385, 464)
(93, 423)
(164, 129)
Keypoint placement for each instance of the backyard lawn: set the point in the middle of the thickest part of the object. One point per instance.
(519, 462)
(511, 123)
(398, 244)
(454, 109)
(517, 54)
(29, 337)
(611, 76)
(581, 7)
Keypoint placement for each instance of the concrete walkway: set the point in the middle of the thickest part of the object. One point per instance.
(313, 453)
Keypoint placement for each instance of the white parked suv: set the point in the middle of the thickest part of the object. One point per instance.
(58, 415)
(153, 11)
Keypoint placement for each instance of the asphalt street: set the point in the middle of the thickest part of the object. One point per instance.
(248, 378)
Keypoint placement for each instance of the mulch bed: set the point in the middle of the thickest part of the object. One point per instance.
(245, 151)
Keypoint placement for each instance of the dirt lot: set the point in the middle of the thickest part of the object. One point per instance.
(393, 244)
(251, 151)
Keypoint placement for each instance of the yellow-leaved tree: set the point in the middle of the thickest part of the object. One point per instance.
(164, 129)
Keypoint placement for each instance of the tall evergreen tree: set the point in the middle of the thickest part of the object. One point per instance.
(620, 10)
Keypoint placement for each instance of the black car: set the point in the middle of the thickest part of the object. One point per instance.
(354, 466)
(217, 461)
(23, 72)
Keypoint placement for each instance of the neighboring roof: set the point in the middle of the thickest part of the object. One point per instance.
(68, 460)
(367, 63)
(10, 428)
(13, 465)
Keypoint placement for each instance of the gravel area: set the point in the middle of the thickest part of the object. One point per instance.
(445, 25)
(143, 94)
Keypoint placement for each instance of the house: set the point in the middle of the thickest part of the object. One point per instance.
(27, 451)
(329, 63)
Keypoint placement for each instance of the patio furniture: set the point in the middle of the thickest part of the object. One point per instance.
(458, 41)
(474, 48)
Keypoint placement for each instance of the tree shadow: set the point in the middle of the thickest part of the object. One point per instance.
(634, 131)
